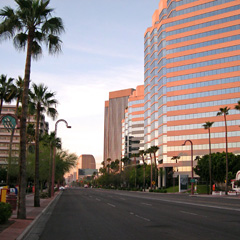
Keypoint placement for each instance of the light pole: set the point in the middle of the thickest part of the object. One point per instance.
(191, 163)
(54, 154)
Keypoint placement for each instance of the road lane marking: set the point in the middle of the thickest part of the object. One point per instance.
(98, 199)
(148, 204)
(146, 219)
(123, 199)
(185, 203)
(111, 205)
(189, 213)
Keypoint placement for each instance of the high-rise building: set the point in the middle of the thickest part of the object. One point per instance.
(5, 135)
(133, 124)
(114, 113)
(192, 68)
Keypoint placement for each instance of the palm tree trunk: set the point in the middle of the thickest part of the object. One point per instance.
(210, 162)
(1, 105)
(156, 172)
(50, 173)
(151, 171)
(36, 178)
(21, 214)
(10, 157)
(226, 186)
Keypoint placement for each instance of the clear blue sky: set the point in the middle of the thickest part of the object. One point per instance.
(103, 51)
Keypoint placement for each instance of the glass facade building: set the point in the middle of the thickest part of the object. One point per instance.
(133, 124)
(192, 68)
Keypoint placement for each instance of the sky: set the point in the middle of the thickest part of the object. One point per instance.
(102, 51)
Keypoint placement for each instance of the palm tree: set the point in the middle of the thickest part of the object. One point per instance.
(135, 155)
(207, 126)
(6, 86)
(154, 150)
(17, 94)
(150, 151)
(225, 111)
(237, 107)
(142, 153)
(108, 165)
(29, 25)
(51, 141)
(44, 101)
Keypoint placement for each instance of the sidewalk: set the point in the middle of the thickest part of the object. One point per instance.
(19, 225)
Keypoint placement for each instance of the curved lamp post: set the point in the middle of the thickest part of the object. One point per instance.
(54, 155)
(191, 163)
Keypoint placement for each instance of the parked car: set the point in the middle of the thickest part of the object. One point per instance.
(62, 188)
(85, 186)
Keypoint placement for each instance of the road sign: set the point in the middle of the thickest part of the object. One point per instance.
(192, 180)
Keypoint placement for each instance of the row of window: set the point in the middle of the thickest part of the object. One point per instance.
(204, 44)
(205, 34)
(203, 146)
(200, 7)
(202, 104)
(203, 84)
(203, 94)
(204, 73)
(200, 126)
(201, 16)
(135, 102)
(137, 109)
(204, 64)
(197, 115)
(191, 19)
(203, 136)
(136, 116)
(204, 54)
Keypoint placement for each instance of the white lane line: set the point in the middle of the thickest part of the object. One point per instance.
(111, 205)
(146, 204)
(90, 196)
(186, 203)
(146, 219)
(98, 199)
(189, 213)
(123, 199)
(131, 213)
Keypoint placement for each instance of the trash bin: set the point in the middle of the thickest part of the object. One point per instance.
(12, 200)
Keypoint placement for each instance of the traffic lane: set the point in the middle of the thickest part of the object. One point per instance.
(233, 202)
(203, 220)
(77, 216)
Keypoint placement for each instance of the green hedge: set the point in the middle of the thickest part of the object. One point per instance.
(5, 212)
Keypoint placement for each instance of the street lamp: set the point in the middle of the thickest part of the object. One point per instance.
(54, 154)
(191, 163)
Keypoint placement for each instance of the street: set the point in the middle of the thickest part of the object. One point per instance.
(107, 214)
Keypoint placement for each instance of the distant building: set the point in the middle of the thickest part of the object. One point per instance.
(114, 113)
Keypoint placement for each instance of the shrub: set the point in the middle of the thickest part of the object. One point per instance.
(43, 195)
(5, 212)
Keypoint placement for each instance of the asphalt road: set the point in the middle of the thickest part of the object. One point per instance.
(104, 214)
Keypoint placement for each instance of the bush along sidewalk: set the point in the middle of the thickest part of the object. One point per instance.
(5, 212)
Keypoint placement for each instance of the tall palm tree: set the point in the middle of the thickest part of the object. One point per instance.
(17, 94)
(51, 141)
(225, 111)
(30, 25)
(142, 153)
(6, 86)
(207, 126)
(44, 101)
(135, 155)
(154, 150)
(150, 151)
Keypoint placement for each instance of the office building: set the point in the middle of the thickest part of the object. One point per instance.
(133, 124)
(192, 68)
(113, 115)
(5, 135)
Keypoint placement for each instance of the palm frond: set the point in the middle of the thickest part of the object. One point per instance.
(20, 41)
(54, 44)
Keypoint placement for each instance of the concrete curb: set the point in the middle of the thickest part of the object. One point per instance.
(31, 225)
